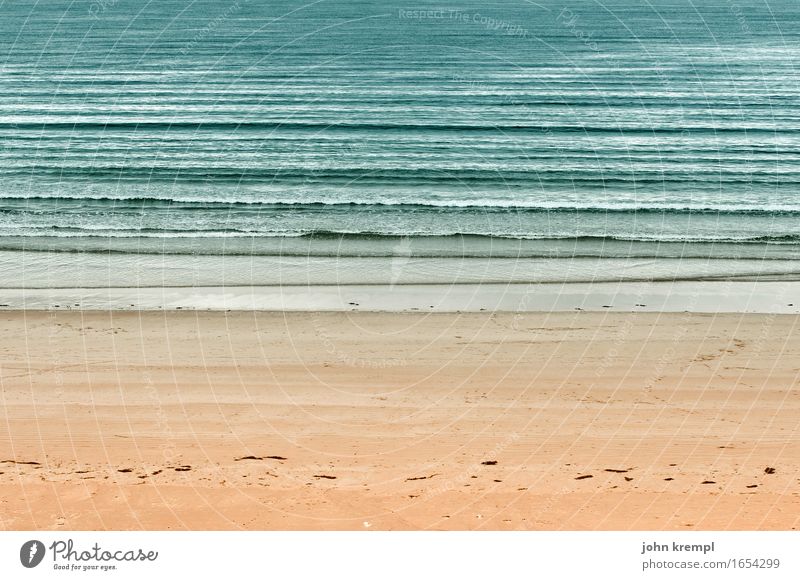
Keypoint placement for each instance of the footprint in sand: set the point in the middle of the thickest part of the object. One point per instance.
(421, 477)
(20, 462)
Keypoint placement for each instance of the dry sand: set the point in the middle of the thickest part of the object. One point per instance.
(565, 421)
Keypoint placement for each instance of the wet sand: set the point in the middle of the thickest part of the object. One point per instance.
(554, 421)
(723, 296)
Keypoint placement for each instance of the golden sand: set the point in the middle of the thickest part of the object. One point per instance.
(270, 421)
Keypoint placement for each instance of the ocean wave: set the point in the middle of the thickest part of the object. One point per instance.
(194, 203)
(339, 235)
(497, 177)
(82, 125)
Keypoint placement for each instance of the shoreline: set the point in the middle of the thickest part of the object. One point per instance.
(765, 297)
(352, 420)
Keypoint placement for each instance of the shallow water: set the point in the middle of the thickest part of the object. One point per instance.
(664, 137)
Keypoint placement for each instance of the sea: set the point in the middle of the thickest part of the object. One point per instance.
(259, 143)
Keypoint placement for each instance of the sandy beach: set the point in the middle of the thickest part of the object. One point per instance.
(403, 421)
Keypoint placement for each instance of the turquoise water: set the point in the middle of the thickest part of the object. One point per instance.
(513, 130)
